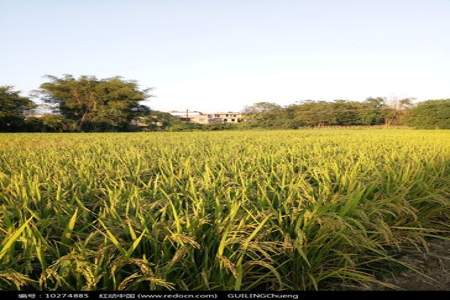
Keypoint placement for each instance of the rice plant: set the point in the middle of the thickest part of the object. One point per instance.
(274, 210)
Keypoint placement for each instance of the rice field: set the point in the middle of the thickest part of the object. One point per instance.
(242, 210)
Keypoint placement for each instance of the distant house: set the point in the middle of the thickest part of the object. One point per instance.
(209, 118)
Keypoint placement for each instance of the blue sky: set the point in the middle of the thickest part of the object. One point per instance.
(223, 55)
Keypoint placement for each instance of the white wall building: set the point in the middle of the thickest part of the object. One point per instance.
(209, 118)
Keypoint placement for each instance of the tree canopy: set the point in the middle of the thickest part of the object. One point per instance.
(95, 104)
(431, 114)
(372, 111)
(260, 107)
(13, 107)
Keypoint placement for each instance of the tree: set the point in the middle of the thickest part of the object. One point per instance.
(375, 111)
(347, 112)
(431, 114)
(263, 114)
(312, 113)
(261, 107)
(396, 113)
(95, 104)
(13, 108)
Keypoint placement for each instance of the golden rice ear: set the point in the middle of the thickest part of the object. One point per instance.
(279, 210)
(17, 279)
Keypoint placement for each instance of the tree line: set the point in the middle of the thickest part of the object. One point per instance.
(430, 114)
(373, 111)
(87, 104)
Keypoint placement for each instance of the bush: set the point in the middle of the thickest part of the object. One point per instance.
(49, 123)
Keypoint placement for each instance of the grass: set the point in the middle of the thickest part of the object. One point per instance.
(276, 210)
